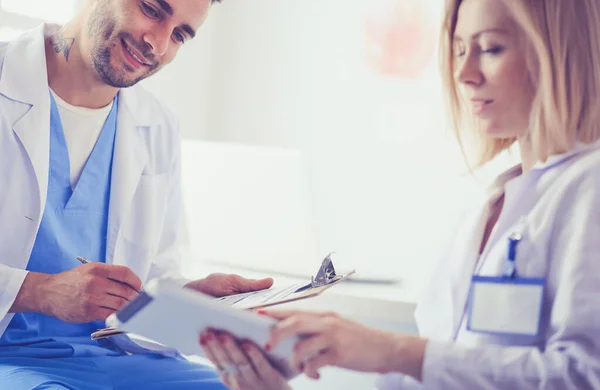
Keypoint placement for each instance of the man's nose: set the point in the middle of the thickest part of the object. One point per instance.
(158, 40)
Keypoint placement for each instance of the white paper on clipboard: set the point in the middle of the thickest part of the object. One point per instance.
(325, 278)
(276, 296)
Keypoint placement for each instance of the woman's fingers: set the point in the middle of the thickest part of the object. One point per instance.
(217, 350)
(284, 314)
(245, 374)
(312, 366)
(231, 347)
(270, 378)
(309, 349)
(299, 325)
(262, 365)
(204, 339)
(279, 314)
(242, 366)
(227, 369)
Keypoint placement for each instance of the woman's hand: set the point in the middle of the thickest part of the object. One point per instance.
(328, 339)
(242, 366)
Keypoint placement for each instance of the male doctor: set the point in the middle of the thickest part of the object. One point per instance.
(91, 168)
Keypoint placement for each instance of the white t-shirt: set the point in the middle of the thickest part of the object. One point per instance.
(82, 127)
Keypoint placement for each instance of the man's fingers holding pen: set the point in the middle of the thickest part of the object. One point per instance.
(100, 287)
(112, 302)
(122, 274)
(119, 289)
(87, 293)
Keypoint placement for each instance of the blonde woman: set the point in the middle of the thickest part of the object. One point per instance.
(515, 303)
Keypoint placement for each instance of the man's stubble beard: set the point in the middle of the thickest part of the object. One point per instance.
(101, 32)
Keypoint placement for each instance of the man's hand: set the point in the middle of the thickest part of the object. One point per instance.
(220, 285)
(89, 292)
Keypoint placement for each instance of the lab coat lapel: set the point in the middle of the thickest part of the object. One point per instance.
(34, 133)
(440, 311)
(130, 158)
(467, 250)
(24, 80)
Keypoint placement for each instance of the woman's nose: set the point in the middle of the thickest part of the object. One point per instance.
(468, 71)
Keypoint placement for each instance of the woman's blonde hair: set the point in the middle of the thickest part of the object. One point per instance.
(562, 39)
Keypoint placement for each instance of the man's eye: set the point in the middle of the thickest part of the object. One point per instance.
(151, 12)
(179, 38)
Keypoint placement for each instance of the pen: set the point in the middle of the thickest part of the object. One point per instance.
(510, 267)
(83, 260)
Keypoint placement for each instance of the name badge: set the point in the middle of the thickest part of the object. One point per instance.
(507, 304)
(502, 306)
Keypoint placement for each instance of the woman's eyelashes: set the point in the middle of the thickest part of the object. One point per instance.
(494, 50)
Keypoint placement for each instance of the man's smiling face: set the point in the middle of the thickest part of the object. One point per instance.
(133, 39)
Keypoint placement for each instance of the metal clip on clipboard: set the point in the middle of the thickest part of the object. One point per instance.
(325, 275)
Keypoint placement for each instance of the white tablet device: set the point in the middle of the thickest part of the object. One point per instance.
(176, 316)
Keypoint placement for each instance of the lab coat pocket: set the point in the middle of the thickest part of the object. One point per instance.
(142, 224)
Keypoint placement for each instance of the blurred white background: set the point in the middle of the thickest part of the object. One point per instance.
(349, 87)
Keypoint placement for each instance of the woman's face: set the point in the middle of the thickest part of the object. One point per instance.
(490, 68)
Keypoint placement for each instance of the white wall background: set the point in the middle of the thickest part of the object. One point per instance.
(387, 177)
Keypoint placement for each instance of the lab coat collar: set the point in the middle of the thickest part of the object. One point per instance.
(24, 75)
(552, 161)
(498, 186)
(142, 113)
(557, 159)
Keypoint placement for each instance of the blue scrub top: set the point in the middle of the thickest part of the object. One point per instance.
(40, 352)
(74, 223)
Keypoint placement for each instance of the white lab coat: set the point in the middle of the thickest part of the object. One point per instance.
(144, 211)
(558, 205)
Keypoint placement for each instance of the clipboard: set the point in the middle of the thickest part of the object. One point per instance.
(325, 278)
(175, 316)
